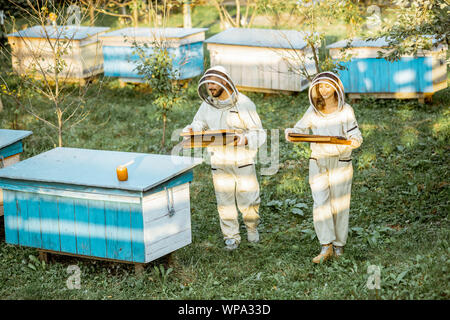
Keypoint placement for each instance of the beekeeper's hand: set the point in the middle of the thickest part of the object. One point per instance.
(188, 129)
(287, 131)
(242, 139)
(354, 144)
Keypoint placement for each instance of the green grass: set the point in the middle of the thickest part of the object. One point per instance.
(399, 210)
(398, 220)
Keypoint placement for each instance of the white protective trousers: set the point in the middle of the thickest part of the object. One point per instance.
(236, 185)
(330, 179)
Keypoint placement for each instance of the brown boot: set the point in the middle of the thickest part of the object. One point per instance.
(325, 254)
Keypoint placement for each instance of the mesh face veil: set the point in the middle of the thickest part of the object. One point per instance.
(316, 99)
(219, 76)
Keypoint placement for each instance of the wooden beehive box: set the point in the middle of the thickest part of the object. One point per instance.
(408, 78)
(262, 60)
(185, 45)
(10, 149)
(69, 201)
(83, 58)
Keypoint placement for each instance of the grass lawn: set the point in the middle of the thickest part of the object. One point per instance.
(398, 220)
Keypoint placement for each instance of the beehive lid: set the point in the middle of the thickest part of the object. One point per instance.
(154, 33)
(8, 137)
(281, 39)
(97, 168)
(59, 32)
(360, 43)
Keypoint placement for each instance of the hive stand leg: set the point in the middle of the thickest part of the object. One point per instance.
(43, 256)
(138, 268)
(169, 259)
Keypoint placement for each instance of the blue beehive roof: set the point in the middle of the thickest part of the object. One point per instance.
(360, 43)
(8, 137)
(97, 168)
(177, 33)
(282, 39)
(59, 32)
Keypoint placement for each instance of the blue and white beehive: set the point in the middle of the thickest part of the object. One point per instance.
(32, 51)
(408, 78)
(70, 201)
(10, 149)
(185, 45)
(262, 60)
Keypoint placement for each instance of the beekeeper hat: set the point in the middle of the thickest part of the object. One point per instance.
(331, 79)
(221, 73)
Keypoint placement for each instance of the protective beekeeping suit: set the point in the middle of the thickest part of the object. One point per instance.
(330, 165)
(233, 167)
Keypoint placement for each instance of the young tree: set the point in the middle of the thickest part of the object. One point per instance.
(155, 64)
(41, 86)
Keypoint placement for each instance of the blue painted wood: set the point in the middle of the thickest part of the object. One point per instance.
(120, 61)
(66, 214)
(8, 137)
(137, 234)
(82, 227)
(10, 213)
(49, 222)
(372, 75)
(36, 187)
(11, 150)
(97, 228)
(112, 231)
(22, 218)
(34, 221)
(360, 43)
(181, 179)
(124, 235)
(269, 38)
(97, 168)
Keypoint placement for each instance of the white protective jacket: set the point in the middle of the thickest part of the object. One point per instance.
(340, 123)
(242, 116)
(239, 113)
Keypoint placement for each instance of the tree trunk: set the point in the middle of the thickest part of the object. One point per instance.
(135, 13)
(164, 130)
(91, 14)
(187, 21)
(60, 125)
(238, 14)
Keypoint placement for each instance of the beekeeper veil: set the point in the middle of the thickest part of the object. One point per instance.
(219, 76)
(316, 99)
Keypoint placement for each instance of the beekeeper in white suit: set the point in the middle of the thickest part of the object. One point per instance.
(233, 167)
(330, 165)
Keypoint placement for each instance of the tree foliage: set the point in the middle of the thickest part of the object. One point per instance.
(415, 24)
